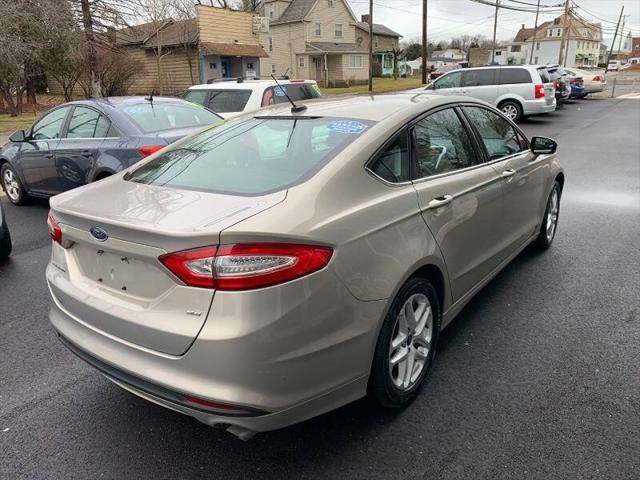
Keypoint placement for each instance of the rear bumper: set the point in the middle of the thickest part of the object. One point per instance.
(282, 359)
(537, 107)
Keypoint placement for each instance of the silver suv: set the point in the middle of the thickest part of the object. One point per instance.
(517, 91)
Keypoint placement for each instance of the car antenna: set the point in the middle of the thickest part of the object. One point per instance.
(294, 108)
(150, 97)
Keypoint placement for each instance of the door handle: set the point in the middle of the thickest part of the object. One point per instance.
(87, 153)
(48, 155)
(440, 201)
(508, 173)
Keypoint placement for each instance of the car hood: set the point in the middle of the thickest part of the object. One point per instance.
(166, 217)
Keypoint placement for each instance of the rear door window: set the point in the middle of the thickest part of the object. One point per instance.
(87, 123)
(251, 156)
(497, 134)
(514, 75)
(479, 78)
(442, 144)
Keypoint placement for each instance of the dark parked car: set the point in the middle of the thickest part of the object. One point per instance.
(5, 238)
(80, 142)
(561, 85)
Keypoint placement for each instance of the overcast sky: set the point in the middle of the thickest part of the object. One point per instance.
(450, 18)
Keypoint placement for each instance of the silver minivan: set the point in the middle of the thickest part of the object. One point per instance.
(518, 91)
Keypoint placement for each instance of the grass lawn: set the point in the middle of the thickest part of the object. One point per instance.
(380, 85)
(9, 124)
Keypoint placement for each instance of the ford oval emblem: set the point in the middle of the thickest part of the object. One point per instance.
(98, 233)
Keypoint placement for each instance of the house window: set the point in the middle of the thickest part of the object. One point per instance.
(375, 40)
(271, 12)
(273, 69)
(388, 61)
(318, 30)
(516, 48)
(498, 53)
(330, 3)
(582, 31)
(271, 44)
(554, 32)
(301, 62)
(355, 61)
(338, 30)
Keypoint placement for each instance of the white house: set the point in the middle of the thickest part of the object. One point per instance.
(582, 46)
(450, 53)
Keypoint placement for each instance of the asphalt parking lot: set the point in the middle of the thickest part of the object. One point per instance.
(539, 377)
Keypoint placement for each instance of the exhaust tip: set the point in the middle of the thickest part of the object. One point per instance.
(242, 433)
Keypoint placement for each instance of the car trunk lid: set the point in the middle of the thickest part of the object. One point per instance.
(109, 273)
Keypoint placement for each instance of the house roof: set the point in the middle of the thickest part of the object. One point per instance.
(233, 49)
(524, 33)
(332, 47)
(296, 11)
(378, 29)
(593, 30)
(172, 32)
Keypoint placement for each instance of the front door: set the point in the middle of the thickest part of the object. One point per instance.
(523, 174)
(459, 196)
(226, 67)
(36, 156)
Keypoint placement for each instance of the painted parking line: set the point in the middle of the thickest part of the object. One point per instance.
(633, 96)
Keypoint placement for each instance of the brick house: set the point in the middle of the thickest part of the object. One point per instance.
(322, 40)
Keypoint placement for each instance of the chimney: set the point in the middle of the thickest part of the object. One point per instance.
(523, 26)
(365, 18)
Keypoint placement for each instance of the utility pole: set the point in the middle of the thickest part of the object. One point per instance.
(565, 32)
(495, 26)
(424, 42)
(624, 17)
(370, 46)
(535, 31)
(606, 69)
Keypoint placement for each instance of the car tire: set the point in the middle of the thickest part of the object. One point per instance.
(549, 224)
(12, 185)
(511, 109)
(5, 242)
(390, 384)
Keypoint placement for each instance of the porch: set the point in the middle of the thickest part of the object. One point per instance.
(229, 61)
(336, 64)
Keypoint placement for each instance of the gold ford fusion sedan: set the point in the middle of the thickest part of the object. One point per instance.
(284, 263)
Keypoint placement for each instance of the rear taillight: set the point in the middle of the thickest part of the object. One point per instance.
(572, 81)
(149, 149)
(597, 78)
(539, 91)
(556, 85)
(246, 266)
(54, 229)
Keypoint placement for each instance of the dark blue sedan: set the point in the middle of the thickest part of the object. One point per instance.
(80, 142)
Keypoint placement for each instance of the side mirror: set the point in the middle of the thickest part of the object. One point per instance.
(18, 136)
(543, 145)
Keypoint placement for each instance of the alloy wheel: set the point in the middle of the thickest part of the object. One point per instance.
(11, 185)
(410, 341)
(552, 215)
(510, 111)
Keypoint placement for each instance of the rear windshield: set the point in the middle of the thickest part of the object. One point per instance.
(296, 91)
(220, 100)
(544, 75)
(161, 116)
(251, 156)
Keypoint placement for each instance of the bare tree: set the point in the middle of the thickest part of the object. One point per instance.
(116, 70)
(185, 15)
